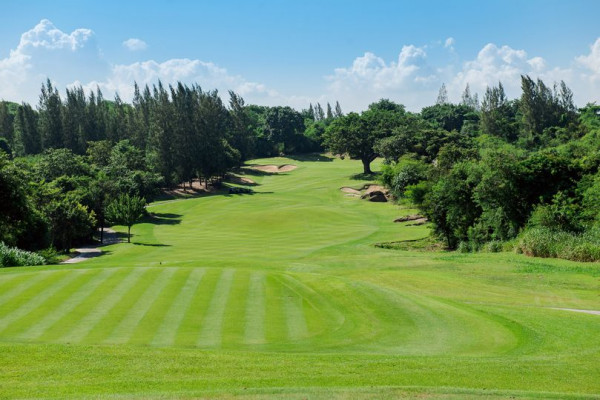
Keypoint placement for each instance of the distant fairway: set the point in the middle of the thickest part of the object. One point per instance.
(282, 292)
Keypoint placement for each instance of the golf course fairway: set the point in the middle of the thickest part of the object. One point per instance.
(282, 293)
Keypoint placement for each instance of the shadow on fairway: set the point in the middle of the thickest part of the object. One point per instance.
(365, 177)
(311, 157)
(255, 172)
(158, 218)
(151, 244)
(245, 194)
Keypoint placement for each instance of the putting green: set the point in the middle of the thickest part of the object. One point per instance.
(282, 292)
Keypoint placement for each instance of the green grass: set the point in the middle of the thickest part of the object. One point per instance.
(283, 293)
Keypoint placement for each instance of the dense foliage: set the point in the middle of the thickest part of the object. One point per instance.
(484, 175)
(64, 163)
(482, 172)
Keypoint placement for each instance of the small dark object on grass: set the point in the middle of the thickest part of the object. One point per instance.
(376, 196)
(240, 190)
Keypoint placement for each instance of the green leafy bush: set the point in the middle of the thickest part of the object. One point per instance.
(14, 257)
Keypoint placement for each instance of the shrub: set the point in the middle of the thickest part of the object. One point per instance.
(463, 247)
(544, 242)
(495, 246)
(14, 257)
(50, 255)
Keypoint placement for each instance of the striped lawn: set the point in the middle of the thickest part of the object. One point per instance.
(283, 293)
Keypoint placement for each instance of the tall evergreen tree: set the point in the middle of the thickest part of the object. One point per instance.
(27, 134)
(50, 121)
(442, 97)
(329, 112)
(338, 110)
(6, 123)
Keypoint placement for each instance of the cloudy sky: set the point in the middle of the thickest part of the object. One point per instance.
(279, 52)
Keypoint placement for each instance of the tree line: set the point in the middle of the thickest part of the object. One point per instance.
(67, 162)
(500, 172)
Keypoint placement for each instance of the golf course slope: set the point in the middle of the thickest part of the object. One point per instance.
(281, 292)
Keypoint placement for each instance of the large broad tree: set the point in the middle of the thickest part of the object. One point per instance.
(126, 210)
(357, 135)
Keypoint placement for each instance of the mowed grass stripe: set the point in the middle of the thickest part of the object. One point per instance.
(51, 316)
(294, 312)
(103, 307)
(123, 331)
(234, 324)
(29, 281)
(165, 335)
(37, 300)
(275, 325)
(212, 324)
(68, 322)
(118, 312)
(320, 315)
(8, 281)
(255, 310)
(191, 324)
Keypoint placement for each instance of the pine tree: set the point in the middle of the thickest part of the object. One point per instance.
(338, 110)
(442, 95)
(26, 132)
(6, 124)
(470, 100)
(329, 112)
(50, 121)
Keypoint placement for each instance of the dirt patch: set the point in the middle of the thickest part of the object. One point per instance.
(196, 188)
(274, 169)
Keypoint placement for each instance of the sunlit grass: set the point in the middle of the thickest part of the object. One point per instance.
(282, 292)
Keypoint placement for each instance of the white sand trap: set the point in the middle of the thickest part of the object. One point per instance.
(273, 169)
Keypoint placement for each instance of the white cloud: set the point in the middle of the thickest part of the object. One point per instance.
(45, 51)
(71, 59)
(449, 43)
(134, 44)
(369, 78)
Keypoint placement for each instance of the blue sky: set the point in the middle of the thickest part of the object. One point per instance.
(296, 52)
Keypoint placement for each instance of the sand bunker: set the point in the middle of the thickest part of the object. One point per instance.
(240, 180)
(273, 169)
(349, 190)
(370, 192)
(374, 188)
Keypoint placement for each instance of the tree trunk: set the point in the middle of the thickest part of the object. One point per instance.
(366, 166)
(129, 234)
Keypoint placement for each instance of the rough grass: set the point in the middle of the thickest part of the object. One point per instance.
(282, 293)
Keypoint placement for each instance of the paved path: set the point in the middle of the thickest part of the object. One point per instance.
(87, 252)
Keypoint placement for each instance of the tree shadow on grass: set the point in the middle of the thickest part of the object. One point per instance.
(316, 157)
(255, 172)
(151, 244)
(365, 177)
(157, 218)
